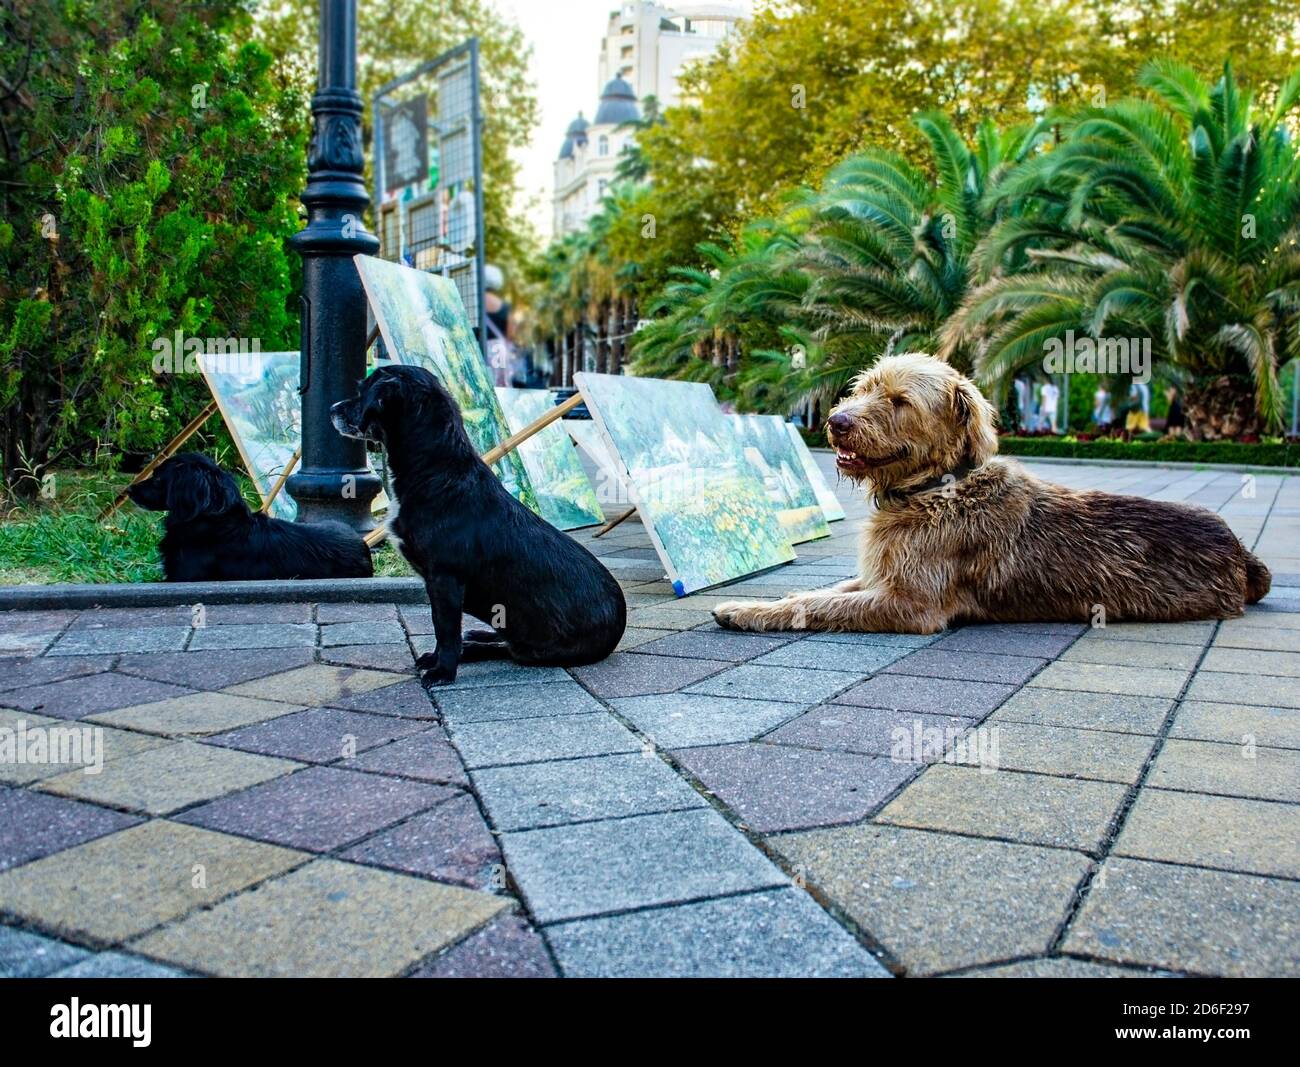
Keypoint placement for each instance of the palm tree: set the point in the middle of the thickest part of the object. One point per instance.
(874, 260)
(560, 279)
(888, 247)
(581, 294)
(739, 302)
(1172, 221)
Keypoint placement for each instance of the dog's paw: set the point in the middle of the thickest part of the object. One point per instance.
(481, 637)
(438, 676)
(738, 615)
(427, 661)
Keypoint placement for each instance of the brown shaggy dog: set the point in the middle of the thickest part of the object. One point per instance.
(962, 536)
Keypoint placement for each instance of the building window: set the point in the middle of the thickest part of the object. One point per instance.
(600, 189)
(602, 146)
(627, 51)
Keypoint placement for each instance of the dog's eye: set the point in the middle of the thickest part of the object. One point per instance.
(900, 401)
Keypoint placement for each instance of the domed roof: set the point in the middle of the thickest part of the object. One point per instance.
(617, 104)
(576, 134)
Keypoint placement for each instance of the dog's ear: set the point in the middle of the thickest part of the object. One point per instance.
(193, 491)
(373, 405)
(973, 413)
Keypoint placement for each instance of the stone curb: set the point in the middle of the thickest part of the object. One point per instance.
(327, 591)
(169, 594)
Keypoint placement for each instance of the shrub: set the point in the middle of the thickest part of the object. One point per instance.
(1263, 454)
(148, 186)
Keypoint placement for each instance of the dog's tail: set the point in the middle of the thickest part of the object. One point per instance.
(1258, 579)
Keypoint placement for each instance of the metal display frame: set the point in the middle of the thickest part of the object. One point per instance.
(468, 50)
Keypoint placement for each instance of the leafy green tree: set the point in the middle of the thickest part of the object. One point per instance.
(1173, 220)
(1261, 36)
(810, 83)
(148, 182)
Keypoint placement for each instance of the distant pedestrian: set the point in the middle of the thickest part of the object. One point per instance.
(1024, 404)
(1139, 414)
(499, 347)
(1049, 398)
(1175, 421)
(1102, 414)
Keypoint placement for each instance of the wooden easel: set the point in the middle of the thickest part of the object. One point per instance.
(507, 446)
(614, 522)
(279, 482)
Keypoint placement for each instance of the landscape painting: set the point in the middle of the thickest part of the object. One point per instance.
(831, 506)
(707, 513)
(772, 454)
(257, 396)
(564, 493)
(424, 324)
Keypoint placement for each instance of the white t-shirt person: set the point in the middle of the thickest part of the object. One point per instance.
(1048, 398)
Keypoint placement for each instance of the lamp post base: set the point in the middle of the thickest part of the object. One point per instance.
(339, 494)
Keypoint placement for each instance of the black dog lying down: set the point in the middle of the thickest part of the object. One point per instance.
(212, 536)
(479, 551)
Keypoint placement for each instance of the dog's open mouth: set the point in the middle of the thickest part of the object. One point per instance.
(851, 462)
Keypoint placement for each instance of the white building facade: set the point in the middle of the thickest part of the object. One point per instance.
(645, 50)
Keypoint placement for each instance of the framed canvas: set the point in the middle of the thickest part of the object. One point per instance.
(564, 493)
(707, 513)
(771, 452)
(257, 395)
(831, 506)
(424, 324)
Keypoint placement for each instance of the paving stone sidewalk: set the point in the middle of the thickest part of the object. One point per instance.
(278, 796)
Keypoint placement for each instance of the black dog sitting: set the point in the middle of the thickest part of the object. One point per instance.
(548, 600)
(212, 536)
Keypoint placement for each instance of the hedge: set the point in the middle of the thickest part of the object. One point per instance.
(1234, 453)
(1279, 454)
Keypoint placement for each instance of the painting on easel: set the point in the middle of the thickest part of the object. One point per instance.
(831, 506)
(564, 493)
(772, 454)
(424, 324)
(706, 511)
(257, 396)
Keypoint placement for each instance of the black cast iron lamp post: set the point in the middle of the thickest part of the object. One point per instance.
(335, 480)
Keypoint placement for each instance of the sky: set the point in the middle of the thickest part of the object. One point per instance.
(565, 35)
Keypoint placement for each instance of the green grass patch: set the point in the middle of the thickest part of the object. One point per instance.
(60, 539)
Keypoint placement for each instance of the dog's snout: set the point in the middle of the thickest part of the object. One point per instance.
(839, 423)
